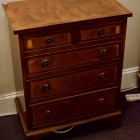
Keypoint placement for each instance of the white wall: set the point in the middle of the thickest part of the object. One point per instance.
(131, 59)
(132, 50)
(7, 84)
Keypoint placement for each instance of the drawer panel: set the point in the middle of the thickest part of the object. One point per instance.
(100, 32)
(72, 82)
(72, 108)
(47, 41)
(72, 58)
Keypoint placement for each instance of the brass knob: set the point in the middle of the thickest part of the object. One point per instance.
(102, 76)
(101, 101)
(46, 87)
(103, 53)
(48, 41)
(45, 63)
(48, 113)
(101, 32)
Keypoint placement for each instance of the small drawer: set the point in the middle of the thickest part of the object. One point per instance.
(72, 82)
(72, 58)
(47, 41)
(92, 33)
(72, 108)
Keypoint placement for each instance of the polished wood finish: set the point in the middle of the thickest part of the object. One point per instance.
(100, 32)
(25, 15)
(48, 113)
(71, 59)
(38, 133)
(72, 82)
(42, 41)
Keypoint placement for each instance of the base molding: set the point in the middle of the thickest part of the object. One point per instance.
(7, 104)
(129, 79)
(8, 107)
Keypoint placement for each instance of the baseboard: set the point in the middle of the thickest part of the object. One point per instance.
(7, 104)
(129, 79)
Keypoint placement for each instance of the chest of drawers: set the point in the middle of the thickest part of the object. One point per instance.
(71, 56)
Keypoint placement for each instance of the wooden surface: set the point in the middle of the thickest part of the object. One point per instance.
(39, 42)
(38, 133)
(71, 108)
(73, 82)
(73, 58)
(40, 13)
(80, 76)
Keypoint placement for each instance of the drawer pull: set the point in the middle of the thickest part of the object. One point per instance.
(48, 41)
(48, 113)
(46, 87)
(101, 32)
(45, 63)
(103, 53)
(101, 101)
(102, 76)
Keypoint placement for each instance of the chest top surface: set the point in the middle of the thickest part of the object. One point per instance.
(30, 14)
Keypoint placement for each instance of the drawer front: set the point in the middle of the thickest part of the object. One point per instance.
(72, 58)
(72, 108)
(72, 82)
(100, 32)
(47, 41)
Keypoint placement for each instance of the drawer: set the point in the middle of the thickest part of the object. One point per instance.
(72, 108)
(100, 32)
(72, 58)
(72, 82)
(47, 41)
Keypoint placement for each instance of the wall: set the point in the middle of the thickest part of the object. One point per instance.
(7, 81)
(132, 50)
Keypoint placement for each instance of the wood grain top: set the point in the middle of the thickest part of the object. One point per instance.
(30, 14)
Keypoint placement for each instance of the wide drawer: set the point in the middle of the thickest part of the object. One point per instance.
(72, 108)
(72, 58)
(72, 82)
(42, 41)
(100, 32)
